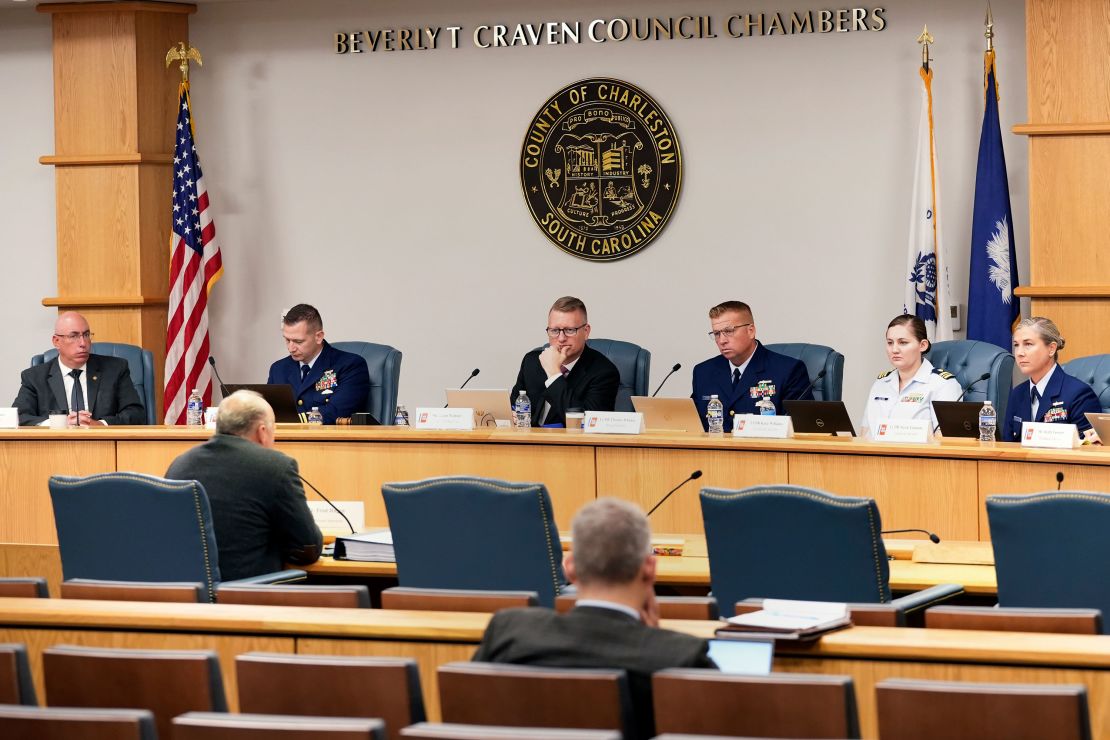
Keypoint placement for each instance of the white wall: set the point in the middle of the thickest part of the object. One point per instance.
(384, 188)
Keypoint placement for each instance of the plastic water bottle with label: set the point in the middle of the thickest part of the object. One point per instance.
(715, 415)
(401, 418)
(522, 411)
(766, 406)
(315, 417)
(194, 410)
(988, 422)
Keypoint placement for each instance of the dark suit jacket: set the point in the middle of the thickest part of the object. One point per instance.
(1075, 396)
(592, 637)
(714, 377)
(348, 395)
(111, 394)
(258, 505)
(591, 386)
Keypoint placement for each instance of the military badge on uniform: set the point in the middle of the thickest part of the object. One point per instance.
(762, 389)
(1057, 413)
(326, 382)
(916, 397)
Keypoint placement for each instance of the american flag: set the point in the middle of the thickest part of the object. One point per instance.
(195, 266)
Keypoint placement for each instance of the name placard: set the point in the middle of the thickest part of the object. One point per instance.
(911, 431)
(449, 418)
(1053, 436)
(762, 427)
(9, 418)
(613, 422)
(329, 521)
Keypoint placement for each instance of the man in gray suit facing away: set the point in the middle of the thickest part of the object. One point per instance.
(258, 505)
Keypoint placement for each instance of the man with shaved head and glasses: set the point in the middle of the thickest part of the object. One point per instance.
(566, 374)
(745, 371)
(94, 390)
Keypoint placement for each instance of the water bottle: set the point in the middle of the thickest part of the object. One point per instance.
(715, 414)
(401, 418)
(522, 411)
(194, 414)
(766, 406)
(315, 417)
(988, 422)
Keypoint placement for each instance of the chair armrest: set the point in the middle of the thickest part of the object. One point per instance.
(918, 601)
(281, 576)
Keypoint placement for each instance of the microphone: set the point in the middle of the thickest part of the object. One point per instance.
(693, 476)
(810, 386)
(223, 388)
(932, 537)
(314, 488)
(980, 379)
(675, 369)
(1059, 479)
(473, 374)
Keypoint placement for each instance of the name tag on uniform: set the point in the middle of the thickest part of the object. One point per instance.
(912, 431)
(1052, 436)
(762, 427)
(613, 422)
(449, 418)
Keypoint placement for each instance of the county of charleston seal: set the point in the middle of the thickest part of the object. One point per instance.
(601, 169)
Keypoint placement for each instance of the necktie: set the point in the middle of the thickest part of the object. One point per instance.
(77, 398)
(735, 376)
(1035, 402)
(564, 370)
(304, 372)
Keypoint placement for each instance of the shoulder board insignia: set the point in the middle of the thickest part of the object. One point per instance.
(943, 373)
(884, 374)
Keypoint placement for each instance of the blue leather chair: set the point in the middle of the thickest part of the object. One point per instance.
(1051, 550)
(1095, 372)
(753, 537)
(132, 527)
(16, 686)
(818, 357)
(475, 533)
(634, 364)
(384, 364)
(140, 363)
(968, 360)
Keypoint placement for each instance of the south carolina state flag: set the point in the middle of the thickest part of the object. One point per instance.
(926, 287)
(992, 308)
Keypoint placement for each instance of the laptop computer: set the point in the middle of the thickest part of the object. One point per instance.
(750, 656)
(819, 417)
(1101, 424)
(490, 405)
(958, 418)
(278, 395)
(668, 414)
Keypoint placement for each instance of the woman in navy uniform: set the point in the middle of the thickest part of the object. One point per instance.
(908, 390)
(1050, 394)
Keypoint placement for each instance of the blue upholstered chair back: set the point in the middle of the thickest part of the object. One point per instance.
(634, 364)
(132, 527)
(818, 357)
(384, 364)
(463, 532)
(140, 363)
(789, 542)
(968, 360)
(1095, 372)
(1052, 550)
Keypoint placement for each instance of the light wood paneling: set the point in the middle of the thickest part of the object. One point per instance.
(1068, 60)
(1084, 323)
(996, 478)
(155, 193)
(97, 220)
(32, 561)
(156, 111)
(644, 475)
(937, 495)
(151, 458)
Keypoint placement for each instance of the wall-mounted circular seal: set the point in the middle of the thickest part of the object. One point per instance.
(601, 169)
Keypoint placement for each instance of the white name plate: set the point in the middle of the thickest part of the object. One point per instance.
(9, 418)
(613, 422)
(449, 418)
(912, 431)
(762, 427)
(1055, 436)
(329, 521)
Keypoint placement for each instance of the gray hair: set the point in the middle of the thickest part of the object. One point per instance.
(1046, 329)
(240, 413)
(611, 541)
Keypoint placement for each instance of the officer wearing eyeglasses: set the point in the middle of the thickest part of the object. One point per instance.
(566, 374)
(745, 371)
(94, 390)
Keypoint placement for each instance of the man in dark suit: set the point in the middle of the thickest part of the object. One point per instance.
(615, 622)
(95, 390)
(334, 381)
(258, 505)
(745, 371)
(566, 374)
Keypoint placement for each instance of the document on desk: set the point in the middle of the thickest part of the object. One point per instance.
(801, 618)
(375, 546)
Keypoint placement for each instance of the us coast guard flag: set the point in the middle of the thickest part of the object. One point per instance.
(992, 308)
(926, 287)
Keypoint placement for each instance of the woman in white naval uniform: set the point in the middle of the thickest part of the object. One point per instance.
(907, 391)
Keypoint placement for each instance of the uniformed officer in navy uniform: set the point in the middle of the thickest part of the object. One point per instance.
(745, 371)
(1050, 394)
(334, 381)
(908, 390)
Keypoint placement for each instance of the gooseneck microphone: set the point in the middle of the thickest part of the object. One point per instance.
(314, 488)
(811, 386)
(675, 369)
(693, 476)
(980, 379)
(932, 537)
(1059, 479)
(473, 374)
(223, 388)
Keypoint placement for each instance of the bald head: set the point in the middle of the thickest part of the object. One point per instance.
(246, 414)
(72, 339)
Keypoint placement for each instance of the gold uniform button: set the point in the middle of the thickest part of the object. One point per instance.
(300, 403)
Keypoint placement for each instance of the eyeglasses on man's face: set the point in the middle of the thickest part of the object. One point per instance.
(570, 331)
(727, 331)
(75, 336)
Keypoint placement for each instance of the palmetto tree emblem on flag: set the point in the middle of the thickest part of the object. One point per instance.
(924, 279)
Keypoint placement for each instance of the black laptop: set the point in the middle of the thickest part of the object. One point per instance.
(278, 395)
(958, 418)
(819, 417)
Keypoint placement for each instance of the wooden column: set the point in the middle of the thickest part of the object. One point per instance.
(115, 108)
(1067, 44)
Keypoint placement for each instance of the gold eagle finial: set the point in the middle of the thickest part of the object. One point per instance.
(183, 53)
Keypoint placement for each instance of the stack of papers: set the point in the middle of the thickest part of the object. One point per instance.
(791, 620)
(375, 546)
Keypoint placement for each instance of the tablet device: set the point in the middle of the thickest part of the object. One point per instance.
(1101, 423)
(819, 417)
(748, 656)
(668, 414)
(958, 418)
(490, 405)
(278, 395)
